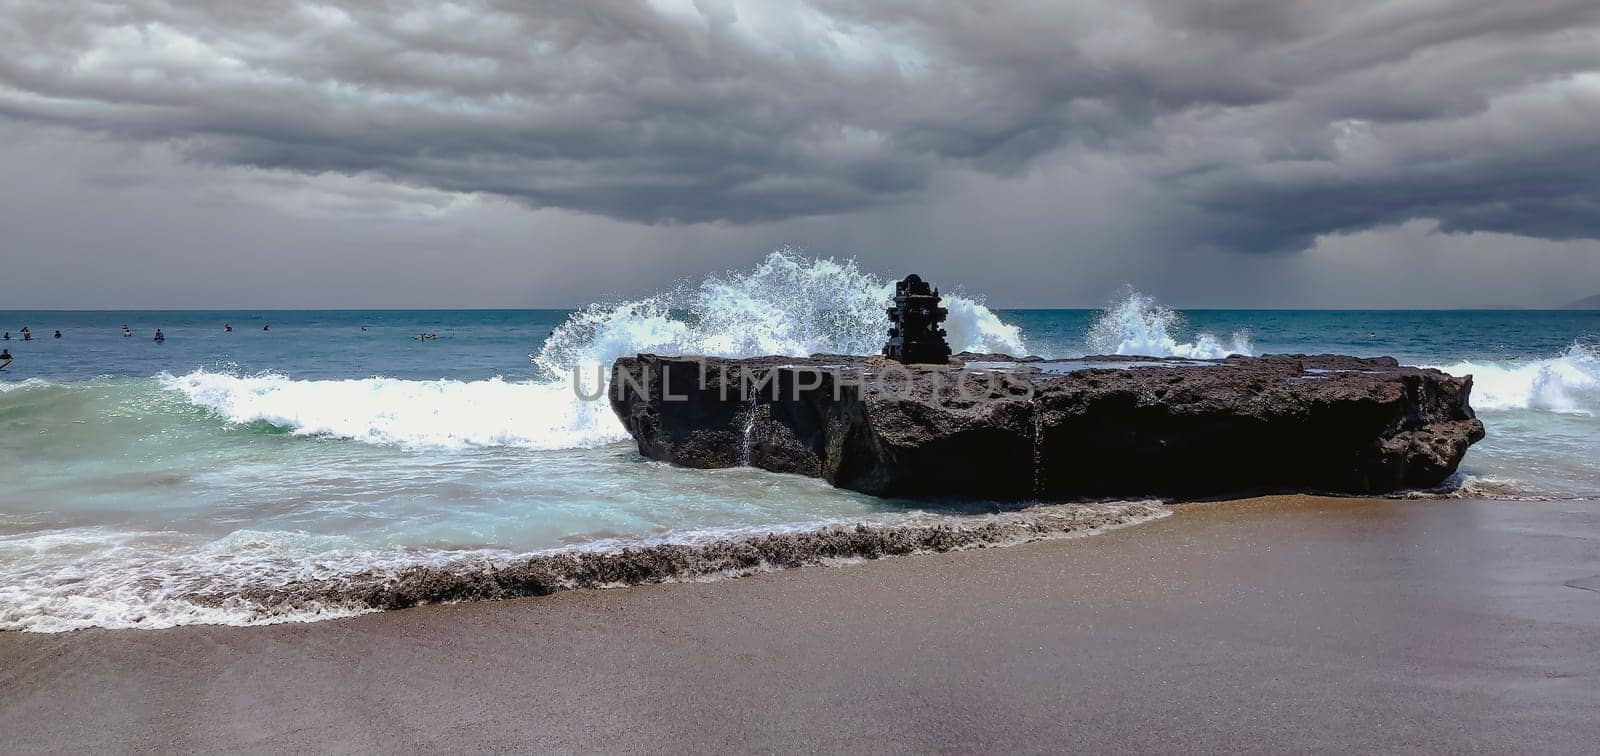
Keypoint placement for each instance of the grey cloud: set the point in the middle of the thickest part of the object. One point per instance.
(1259, 124)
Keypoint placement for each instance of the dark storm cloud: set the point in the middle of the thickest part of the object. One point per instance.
(1262, 123)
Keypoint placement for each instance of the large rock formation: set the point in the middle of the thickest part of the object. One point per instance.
(1035, 429)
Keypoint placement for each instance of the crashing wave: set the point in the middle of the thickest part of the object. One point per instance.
(1567, 384)
(788, 305)
(442, 414)
(1138, 326)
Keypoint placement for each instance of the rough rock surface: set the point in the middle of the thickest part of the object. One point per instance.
(1006, 430)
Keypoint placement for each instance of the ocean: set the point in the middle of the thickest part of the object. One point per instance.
(151, 484)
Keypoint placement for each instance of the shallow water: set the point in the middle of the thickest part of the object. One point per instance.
(137, 473)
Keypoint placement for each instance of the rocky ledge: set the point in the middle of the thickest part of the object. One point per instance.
(990, 427)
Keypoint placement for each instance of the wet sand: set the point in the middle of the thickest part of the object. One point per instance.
(1289, 623)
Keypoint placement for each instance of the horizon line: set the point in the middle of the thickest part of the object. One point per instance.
(1065, 308)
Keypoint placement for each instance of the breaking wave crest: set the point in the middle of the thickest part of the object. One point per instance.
(789, 304)
(25, 384)
(1568, 384)
(1137, 325)
(442, 414)
(252, 578)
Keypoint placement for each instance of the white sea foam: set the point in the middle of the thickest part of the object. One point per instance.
(1464, 486)
(788, 304)
(58, 581)
(419, 414)
(1137, 325)
(22, 385)
(1567, 384)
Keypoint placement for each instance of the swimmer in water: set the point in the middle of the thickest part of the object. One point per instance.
(266, 328)
(160, 336)
(125, 331)
(27, 335)
(8, 335)
(227, 328)
(5, 357)
(1372, 334)
(58, 333)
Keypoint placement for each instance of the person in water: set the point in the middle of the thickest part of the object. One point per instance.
(266, 328)
(160, 336)
(27, 335)
(8, 335)
(5, 355)
(227, 328)
(125, 331)
(58, 333)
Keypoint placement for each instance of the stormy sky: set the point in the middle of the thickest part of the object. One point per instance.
(1279, 153)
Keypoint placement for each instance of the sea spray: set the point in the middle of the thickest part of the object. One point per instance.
(789, 304)
(1543, 422)
(1568, 383)
(1137, 325)
(169, 498)
(444, 414)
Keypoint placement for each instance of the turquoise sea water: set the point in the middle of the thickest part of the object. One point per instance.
(482, 344)
(140, 473)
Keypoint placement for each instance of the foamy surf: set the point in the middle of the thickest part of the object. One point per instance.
(189, 498)
(1463, 486)
(1540, 415)
(415, 414)
(1568, 383)
(23, 385)
(789, 304)
(1138, 326)
(253, 578)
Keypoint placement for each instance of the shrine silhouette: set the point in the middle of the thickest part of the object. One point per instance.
(914, 333)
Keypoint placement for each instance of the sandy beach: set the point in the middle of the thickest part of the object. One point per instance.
(1285, 623)
(660, 378)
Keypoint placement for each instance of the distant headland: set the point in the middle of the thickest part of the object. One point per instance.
(1587, 303)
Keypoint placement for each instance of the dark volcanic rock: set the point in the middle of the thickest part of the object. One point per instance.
(1233, 426)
